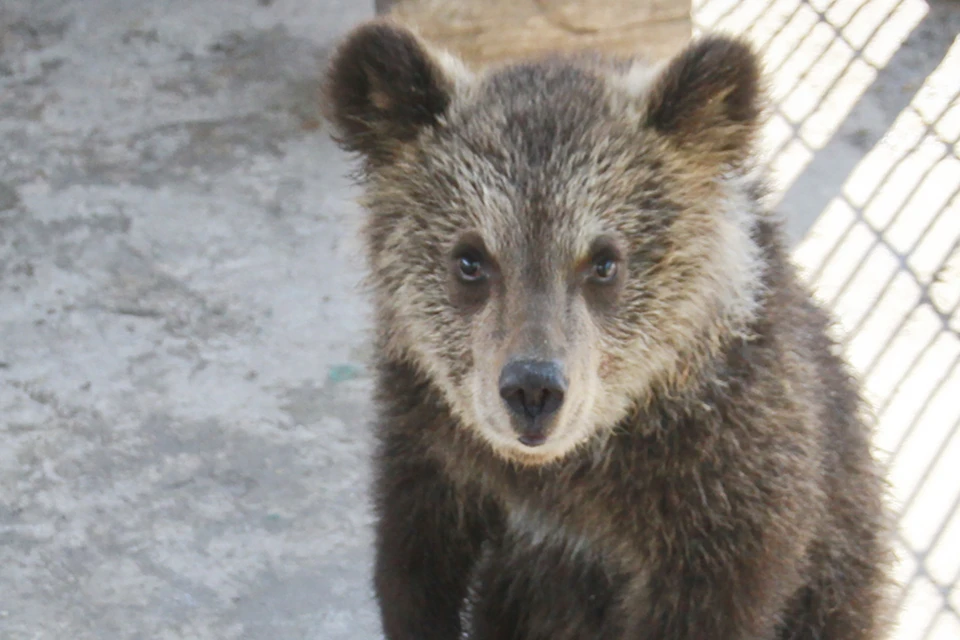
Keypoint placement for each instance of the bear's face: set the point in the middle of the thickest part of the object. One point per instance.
(550, 240)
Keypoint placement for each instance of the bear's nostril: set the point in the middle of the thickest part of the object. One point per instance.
(532, 388)
(531, 402)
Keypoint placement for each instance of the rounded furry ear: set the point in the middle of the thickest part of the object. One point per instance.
(382, 87)
(709, 98)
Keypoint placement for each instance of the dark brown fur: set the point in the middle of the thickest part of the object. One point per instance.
(716, 480)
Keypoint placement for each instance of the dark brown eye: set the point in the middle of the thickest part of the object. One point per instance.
(604, 269)
(469, 266)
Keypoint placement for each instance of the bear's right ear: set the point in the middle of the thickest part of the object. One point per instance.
(710, 99)
(382, 88)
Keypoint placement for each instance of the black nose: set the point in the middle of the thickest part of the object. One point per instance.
(532, 388)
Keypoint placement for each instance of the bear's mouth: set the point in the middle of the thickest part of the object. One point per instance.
(533, 439)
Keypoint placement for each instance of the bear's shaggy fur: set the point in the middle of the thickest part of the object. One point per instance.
(704, 471)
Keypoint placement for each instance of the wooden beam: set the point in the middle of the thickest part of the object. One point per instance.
(490, 31)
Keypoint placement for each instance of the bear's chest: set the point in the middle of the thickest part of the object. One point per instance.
(587, 531)
(533, 526)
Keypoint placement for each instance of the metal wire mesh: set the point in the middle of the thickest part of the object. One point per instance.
(863, 144)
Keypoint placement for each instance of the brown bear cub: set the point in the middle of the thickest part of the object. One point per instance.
(607, 407)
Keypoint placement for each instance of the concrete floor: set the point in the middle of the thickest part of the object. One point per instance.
(184, 430)
(182, 388)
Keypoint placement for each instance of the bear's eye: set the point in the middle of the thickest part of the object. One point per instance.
(604, 269)
(469, 265)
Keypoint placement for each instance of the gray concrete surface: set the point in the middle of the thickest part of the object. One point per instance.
(183, 391)
(183, 421)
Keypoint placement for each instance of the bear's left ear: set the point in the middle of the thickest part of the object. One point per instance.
(709, 99)
(382, 88)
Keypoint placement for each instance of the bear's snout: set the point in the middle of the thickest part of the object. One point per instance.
(533, 391)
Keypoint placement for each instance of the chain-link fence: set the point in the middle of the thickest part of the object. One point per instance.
(863, 140)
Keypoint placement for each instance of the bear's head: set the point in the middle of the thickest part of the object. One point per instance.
(552, 242)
